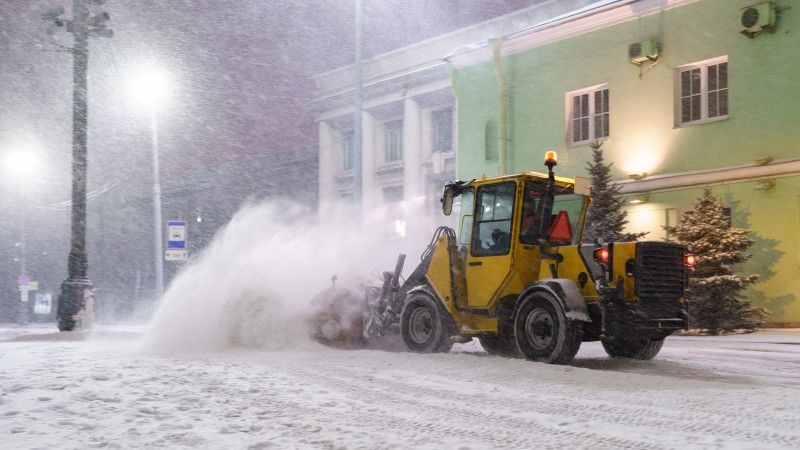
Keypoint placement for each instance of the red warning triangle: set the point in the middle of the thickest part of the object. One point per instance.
(560, 230)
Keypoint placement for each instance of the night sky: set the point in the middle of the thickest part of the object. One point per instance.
(241, 82)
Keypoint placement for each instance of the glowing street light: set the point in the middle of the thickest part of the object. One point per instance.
(149, 86)
(21, 165)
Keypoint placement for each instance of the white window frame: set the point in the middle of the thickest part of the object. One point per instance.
(678, 94)
(568, 119)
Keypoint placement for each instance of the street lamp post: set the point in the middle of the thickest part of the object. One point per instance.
(75, 309)
(21, 165)
(22, 317)
(158, 245)
(148, 86)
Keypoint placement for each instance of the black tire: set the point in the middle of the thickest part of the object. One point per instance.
(424, 327)
(499, 345)
(644, 349)
(543, 332)
(445, 344)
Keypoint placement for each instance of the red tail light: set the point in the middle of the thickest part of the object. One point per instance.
(601, 255)
(690, 260)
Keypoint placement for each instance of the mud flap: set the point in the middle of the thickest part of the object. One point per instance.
(566, 292)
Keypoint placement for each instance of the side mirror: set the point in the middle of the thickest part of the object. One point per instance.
(447, 200)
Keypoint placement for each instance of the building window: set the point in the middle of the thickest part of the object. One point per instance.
(348, 148)
(701, 92)
(588, 117)
(443, 130)
(394, 140)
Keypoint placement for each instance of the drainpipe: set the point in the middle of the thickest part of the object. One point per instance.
(497, 47)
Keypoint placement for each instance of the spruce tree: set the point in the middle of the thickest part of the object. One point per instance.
(606, 218)
(717, 303)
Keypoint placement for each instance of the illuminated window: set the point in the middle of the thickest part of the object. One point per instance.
(701, 92)
(588, 116)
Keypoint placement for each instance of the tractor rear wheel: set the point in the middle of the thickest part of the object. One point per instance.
(543, 332)
(644, 349)
(424, 327)
(499, 345)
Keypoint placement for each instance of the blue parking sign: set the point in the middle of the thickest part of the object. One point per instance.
(176, 234)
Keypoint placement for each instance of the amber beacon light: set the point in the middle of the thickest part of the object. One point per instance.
(550, 158)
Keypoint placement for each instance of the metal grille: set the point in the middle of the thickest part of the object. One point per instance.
(659, 270)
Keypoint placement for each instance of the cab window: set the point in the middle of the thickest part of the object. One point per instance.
(531, 214)
(572, 204)
(464, 205)
(494, 208)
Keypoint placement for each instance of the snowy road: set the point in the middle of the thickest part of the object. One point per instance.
(737, 391)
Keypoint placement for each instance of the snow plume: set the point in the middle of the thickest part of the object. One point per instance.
(252, 285)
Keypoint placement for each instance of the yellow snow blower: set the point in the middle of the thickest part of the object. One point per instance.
(518, 277)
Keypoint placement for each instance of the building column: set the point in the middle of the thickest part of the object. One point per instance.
(368, 161)
(328, 164)
(414, 185)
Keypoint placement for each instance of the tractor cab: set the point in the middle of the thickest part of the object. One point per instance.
(507, 225)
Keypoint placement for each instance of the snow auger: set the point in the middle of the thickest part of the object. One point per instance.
(518, 278)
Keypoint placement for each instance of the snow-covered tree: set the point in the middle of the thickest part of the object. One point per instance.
(717, 303)
(606, 218)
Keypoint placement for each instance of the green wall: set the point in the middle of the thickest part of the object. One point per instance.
(773, 217)
(764, 111)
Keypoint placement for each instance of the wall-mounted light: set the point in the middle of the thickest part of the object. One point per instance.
(764, 185)
(637, 199)
(638, 176)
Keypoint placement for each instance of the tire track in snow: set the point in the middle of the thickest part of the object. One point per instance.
(716, 422)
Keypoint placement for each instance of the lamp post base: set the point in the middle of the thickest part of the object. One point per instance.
(75, 305)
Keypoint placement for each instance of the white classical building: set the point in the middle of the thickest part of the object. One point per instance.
(409, 114)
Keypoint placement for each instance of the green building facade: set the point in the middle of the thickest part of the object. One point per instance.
(698, 100)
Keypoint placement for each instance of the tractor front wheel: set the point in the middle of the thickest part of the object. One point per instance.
(644, 349)
(424, 327)
(543, 332)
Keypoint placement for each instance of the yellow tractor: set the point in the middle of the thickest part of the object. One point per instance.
(518, 277)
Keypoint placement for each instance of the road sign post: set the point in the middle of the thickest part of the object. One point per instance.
(24, 283)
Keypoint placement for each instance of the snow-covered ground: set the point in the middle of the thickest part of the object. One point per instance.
(96, 391)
